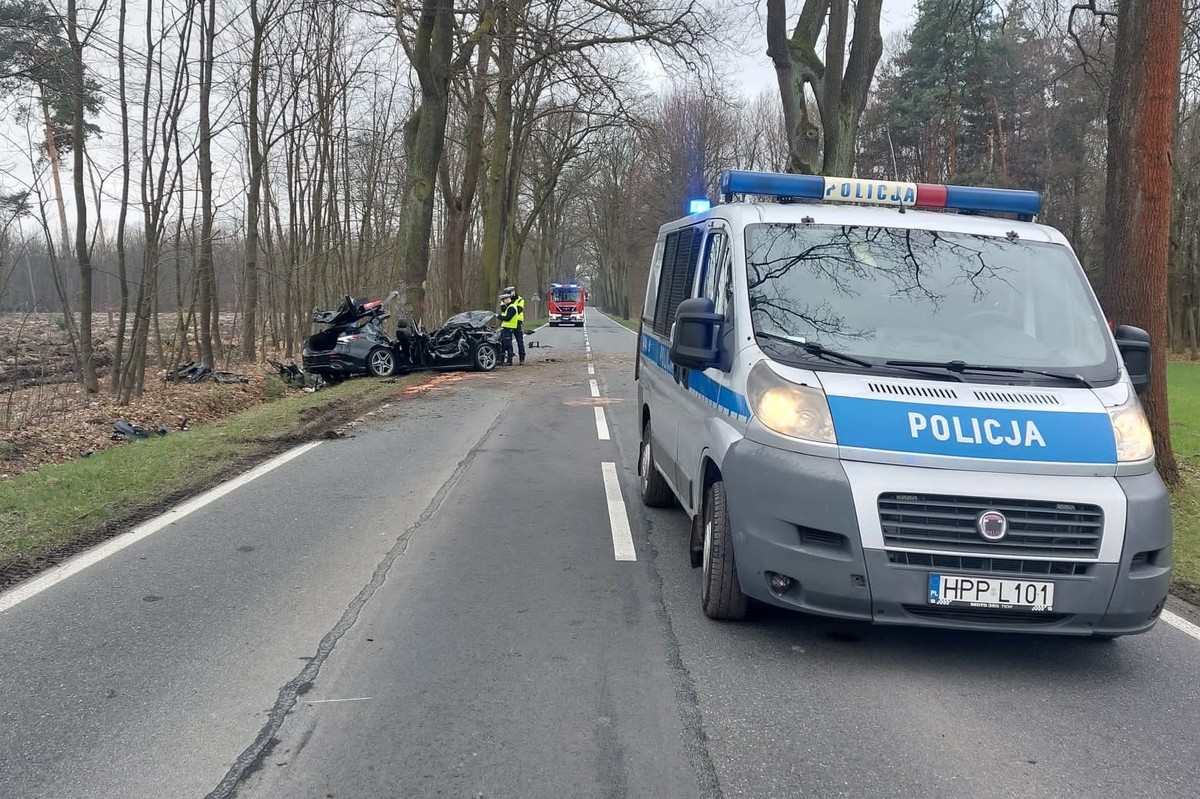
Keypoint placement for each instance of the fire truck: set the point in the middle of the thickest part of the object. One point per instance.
(565, 304)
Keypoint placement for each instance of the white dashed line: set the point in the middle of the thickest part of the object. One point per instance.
(617, 518)
(1178, 622)
(595, 388)
(591, 369)
(601, 425)
(112, 547)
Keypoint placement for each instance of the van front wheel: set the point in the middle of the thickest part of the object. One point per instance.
(721, 594)
(654, 489)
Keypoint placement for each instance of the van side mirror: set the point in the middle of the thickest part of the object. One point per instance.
(1134, 345)
(695, 339)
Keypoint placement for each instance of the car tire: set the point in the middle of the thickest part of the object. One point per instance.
(485, 358)
(579, 324)
(721, 593)
(381, 362)
(653, 487)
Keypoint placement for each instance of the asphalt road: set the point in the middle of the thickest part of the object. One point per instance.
(445, 604)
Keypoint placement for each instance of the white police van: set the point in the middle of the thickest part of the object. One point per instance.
(898, 415)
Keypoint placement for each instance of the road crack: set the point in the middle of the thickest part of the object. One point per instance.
(252, 758)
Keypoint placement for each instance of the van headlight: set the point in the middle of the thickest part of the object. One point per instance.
(788, 408)
(1131, 431)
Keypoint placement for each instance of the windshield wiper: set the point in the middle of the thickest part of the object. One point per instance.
(817, 350)
(826, 354)
(958, 367)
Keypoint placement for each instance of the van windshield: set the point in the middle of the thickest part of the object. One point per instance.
(892, 294)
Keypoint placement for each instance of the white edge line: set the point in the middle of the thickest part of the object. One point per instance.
(595, 388)
(617, 518)
(331, 701)
(601, 424)
(618, 324)
(93, 556)
(1181, 624)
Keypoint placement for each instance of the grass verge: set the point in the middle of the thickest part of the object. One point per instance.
(49, 514)
(1183, 392)
(629, 323)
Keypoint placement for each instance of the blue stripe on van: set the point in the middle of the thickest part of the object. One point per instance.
(969, 432)
(713, 392)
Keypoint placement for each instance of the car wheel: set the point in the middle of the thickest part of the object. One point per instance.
(654, 489)
(486, 357)
(579, 324)
(381, 362)
(721, 593)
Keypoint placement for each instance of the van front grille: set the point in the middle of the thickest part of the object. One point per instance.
(904, 390)
(1036, 528)
(1016, 398)
(929, 560)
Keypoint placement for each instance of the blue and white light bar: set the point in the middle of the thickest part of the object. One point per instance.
(1025, 204)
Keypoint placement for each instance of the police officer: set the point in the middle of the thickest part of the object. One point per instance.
(508, 326)
(519, 333)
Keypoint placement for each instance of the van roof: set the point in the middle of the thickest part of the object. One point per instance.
(740, 214)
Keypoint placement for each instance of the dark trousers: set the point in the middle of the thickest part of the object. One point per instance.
(520, 334)
(506, 342)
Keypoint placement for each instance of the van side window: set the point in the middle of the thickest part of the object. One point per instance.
(651, 301)
(680, 256)
(716, 271)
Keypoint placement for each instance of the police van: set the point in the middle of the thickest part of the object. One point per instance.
(899, 403)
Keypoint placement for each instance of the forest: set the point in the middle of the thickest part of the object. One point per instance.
(199, 174)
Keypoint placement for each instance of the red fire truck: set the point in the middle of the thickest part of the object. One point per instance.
(565, 304)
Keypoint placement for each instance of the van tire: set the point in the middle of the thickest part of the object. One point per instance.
(721, 593)
(653, 488)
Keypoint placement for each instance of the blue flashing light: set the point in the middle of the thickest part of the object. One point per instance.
(698, 206)
(970, 199)
(996, 201)
(773, 184)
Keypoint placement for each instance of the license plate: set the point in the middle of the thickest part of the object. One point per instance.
(990, 592)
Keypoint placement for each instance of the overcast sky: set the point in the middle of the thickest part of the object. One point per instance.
(757, 73)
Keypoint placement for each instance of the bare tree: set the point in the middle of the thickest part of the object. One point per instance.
(840, 85)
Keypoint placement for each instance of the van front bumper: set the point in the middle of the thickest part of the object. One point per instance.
(794, 514)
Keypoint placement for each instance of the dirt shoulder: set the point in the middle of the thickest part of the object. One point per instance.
(53, 512)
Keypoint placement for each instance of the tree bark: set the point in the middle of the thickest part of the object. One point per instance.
(87, 365)
(495, 202)
(841, 95)
(204, 260)
(123, 213)
(424, 139)
(1141, 123)
(459, 206)
(254, 191)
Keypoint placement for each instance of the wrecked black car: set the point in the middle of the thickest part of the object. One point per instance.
(355, 342)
